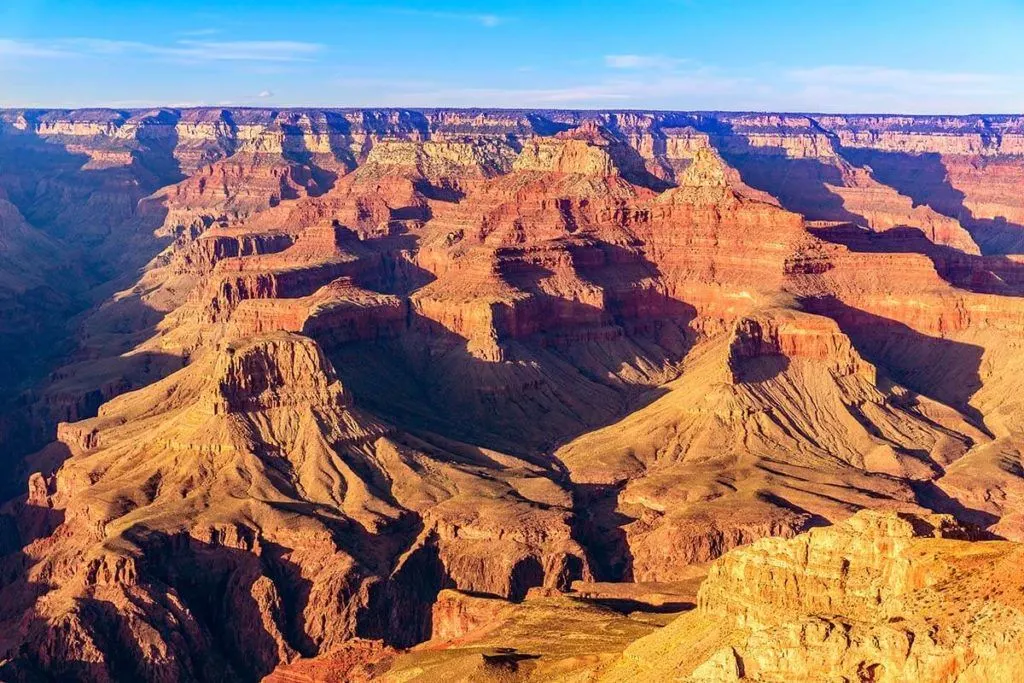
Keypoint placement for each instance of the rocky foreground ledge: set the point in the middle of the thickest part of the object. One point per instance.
(880, 597)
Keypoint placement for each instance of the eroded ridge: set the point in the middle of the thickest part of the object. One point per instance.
(375, 391)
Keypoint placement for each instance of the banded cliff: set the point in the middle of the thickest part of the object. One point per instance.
(330, 363)
(876, 598)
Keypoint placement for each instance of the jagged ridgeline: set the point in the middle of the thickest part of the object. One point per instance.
(408, 395)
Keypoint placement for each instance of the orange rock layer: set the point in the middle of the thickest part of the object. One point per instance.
(346, 381)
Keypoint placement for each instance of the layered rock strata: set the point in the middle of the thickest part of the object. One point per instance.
(328, 365)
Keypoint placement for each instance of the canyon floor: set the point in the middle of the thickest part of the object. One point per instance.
(438, 395)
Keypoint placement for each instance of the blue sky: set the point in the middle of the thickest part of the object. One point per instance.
(913, 56)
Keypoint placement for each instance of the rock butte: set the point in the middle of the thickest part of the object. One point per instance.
(444, 395)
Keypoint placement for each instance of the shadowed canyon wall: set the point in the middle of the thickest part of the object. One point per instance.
(278, 384)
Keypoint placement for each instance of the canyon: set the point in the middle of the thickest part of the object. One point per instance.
(415, 395)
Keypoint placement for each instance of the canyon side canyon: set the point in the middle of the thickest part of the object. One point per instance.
(451, 395)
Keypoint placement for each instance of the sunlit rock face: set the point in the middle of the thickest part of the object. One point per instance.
(384, 393)
(879, 597)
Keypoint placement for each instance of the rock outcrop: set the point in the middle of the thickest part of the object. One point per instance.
(879, 597)
(293, 387)
(251, 470)
(701, 469)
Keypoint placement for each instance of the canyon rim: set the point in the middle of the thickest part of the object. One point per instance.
(413, 394)
(375, 340)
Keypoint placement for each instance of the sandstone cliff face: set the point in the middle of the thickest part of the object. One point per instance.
(801, 162)
(698, 471)
(879, 598)
(358, 357)
(260, 474)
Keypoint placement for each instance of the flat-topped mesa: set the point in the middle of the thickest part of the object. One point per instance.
(227, 287)
(337, 313)
(271, 372)
(587, 150)
(795, 335)
(202, 255)
(313, 258)
(324, 241)
(447, 160)
(553, 155)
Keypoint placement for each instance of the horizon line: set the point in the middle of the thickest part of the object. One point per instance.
(571, 110)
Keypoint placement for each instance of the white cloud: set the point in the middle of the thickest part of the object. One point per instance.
(186, 50)
(23, 48)
(195, 33)
(689, 86)
(641, 62)
(857, 88)
(384, 83)
(626, 80)
(143, 104)
(618, 92)
(874, 77)
(485, 19)
(247, 50)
